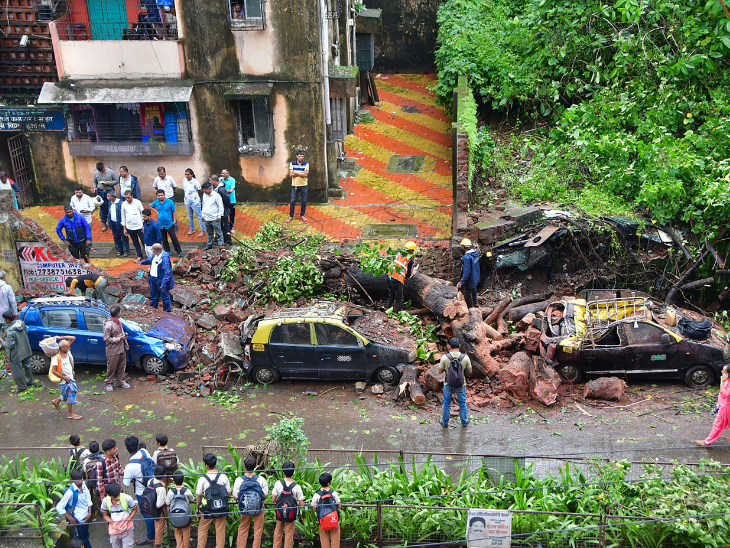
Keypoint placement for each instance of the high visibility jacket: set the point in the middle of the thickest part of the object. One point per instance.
(401, 266)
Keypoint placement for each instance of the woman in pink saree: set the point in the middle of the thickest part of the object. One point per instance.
(722, 420)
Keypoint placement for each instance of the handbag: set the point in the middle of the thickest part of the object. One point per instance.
(51, 375)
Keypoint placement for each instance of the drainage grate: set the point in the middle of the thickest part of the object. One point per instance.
(405, 164)
(101, 250)
(375, 232)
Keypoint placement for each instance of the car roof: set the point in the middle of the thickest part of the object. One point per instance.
(319, 310)
(66, 300)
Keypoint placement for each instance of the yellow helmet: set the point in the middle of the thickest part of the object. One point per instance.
(411, 246)
(466, 242)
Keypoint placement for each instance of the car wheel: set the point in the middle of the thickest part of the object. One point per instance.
(40, 363)
(387, 375)
(266, 375)
(571, 373)
(699, 376)
(153, 365)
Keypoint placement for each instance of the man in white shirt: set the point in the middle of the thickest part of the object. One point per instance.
(213, 211)
(121, 241)
(164, 182)
(133, 474)
(132, 222)
(75, 506)
(204, 481)
(84, 205)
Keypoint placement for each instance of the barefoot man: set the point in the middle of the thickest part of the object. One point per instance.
(63, 367)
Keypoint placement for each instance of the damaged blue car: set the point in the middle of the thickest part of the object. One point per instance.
(158, 342)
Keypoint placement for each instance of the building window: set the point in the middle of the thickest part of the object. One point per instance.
(247, 14)
(254, 127)
(144, 129)
(365, 50)
(118, 20)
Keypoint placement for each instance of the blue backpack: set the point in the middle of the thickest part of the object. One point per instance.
(71, 505)
(147, 465)
(250, 496)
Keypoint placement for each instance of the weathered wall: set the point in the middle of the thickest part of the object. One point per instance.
(53, 167)
(408, 37)
(9, 228)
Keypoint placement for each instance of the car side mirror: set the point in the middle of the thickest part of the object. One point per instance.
(666, 338)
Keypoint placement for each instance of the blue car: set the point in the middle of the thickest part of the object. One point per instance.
(163, 344)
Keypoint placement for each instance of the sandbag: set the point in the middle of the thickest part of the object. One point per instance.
(49, 346)
(698, 330)
(605, 388)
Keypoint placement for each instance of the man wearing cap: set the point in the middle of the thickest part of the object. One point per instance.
(402, 269)
(470, 273)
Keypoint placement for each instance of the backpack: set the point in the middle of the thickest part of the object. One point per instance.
(148, 500)
(216, 498)
(74, 462)
(90, 471)
(71, 505)
(455, 375)
(180, 513)
(168, 460)
(250, 496)
(147, 466)
(699, 330)
(286, 504)
(327, 513)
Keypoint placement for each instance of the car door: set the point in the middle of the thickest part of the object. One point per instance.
(59, 321)
(647, 353)
(92, 331)
(604, 354)
(292, 351)
(340, 354)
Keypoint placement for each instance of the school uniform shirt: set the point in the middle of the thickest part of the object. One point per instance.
(261, 481)
(165, 211)
(132, 215)
(82, 456)
(85, 202)
(170, 493)
(116, 511)
(81, 510)
(316, 497)
(192, 189)
(203, 484)
(167, 184)
(159, 490)
(295, 166)
(296, 492)
(133, 471)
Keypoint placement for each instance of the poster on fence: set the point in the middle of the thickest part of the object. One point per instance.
(42, 271)
(488, 528)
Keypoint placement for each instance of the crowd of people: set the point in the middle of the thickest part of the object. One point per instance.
(212, 203)
(159, 495)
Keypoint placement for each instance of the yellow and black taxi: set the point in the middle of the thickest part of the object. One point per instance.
(317, 343)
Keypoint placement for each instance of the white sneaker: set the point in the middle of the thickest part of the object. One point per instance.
(109, 388)
(126, 385)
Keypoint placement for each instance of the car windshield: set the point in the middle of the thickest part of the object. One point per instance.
(132, 326)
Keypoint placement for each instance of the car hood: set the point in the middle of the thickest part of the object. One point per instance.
(168, 328)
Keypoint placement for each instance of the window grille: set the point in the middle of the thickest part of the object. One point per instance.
(365, 50)
(254, 127)
(247, 14)
(118, 20)
(143, 129)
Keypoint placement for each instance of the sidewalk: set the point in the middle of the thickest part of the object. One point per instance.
(403, 177)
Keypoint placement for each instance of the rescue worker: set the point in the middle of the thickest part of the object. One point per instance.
(402, 269)
(470, 273)
(90, 280)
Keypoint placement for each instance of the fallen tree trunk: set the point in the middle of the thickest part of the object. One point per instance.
(433, 379)
(515, 376)
(503, 304)
(544, 381)
(457, 320)
(519, 312)
(409, 383)
(528, 299)
(605, 388)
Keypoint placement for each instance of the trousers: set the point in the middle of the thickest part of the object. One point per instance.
(220, 531)
(722, 421)
(461, 398)
(81, 532)
(395, 294)
(182, 537)
(329, 539)
(116, 367)
(137, 240)
(22, 373)
(294, 191)
(194, 211)
(258, 529)
(213, 228)
(104, 208)
(285, 530)
(172, 232)
(121, 242)
(157, 292)
(470, 296)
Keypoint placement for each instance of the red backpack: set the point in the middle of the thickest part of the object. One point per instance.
(327, 513)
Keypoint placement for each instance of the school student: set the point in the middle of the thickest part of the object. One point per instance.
(326, 503)
(179, 499)
(160, 518)
(75, 506)
(216, 488)
(118, 509)
(78, 452)
(250, 490)
(287, 496)
(166, 457)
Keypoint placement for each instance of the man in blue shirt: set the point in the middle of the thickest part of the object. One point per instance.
(75, 506)
(167, 221)
(78, 233)
(230, 184)
(152, 234)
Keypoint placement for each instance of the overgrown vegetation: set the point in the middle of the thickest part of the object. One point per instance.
(424, 333)
(690, 501)
(637, 94)
(294, 273)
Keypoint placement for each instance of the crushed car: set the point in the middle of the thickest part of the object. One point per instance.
(320, 342)
(629, 334)
(158, 342)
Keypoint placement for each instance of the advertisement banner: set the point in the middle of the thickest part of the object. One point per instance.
(41, 271)
(492, 528)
